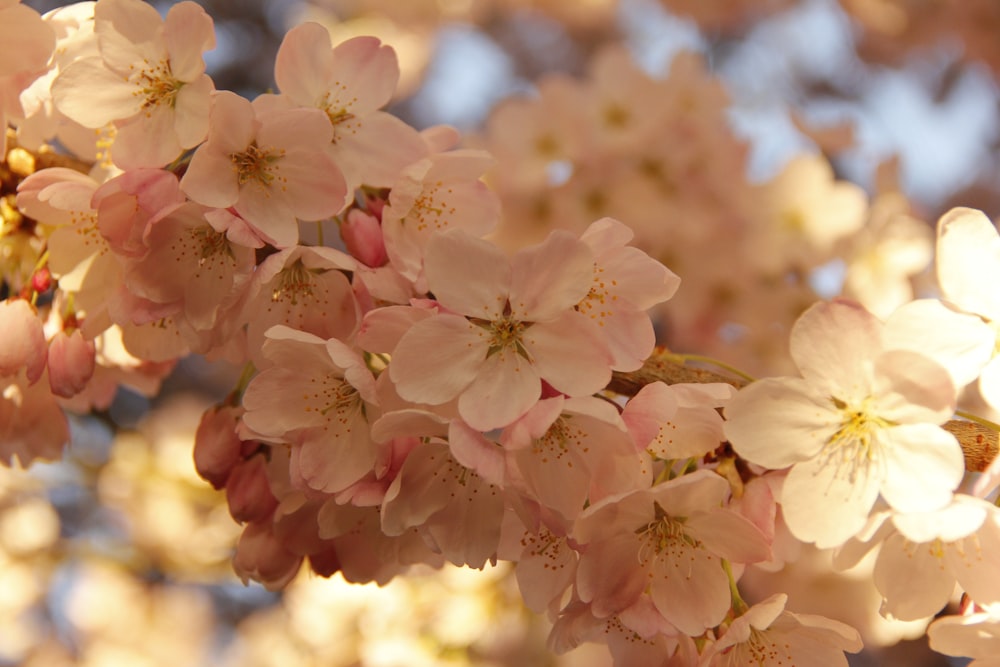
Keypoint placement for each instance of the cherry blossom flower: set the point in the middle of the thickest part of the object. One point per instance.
(80, 257)
(862, 421)
(509, 325)
(349, 83)
(974, 635)
(565, 452)
(270, 167)
(938, 549)
(32, 425)
(456, 511)
(627, 283)
(318, 396)
(578, 624)
(43, 122)
(149, 79)
(677, 421)
(24, 346)
(667, 541)
(434, 194)
(304, 288)
(28, 44)
(190, 264)
(768, 636)
(804, 212)
(892, 247)
(968, 265)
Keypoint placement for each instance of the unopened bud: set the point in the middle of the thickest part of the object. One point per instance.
(249, 492)
(362, 235)
(217, 449)
(71, 363)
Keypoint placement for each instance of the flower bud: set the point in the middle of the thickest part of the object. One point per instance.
(217, 449)
(249, 492)
(262, 557)
(23, 340)
(41, 280)
(71, 363)
(362, 235)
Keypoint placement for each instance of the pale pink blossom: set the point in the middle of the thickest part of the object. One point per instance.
(355, 546)
(968, 266)
(71, 362)
(975, 635)
(863, 420)
(892, 247)
(434, 194)
(804, 212)
(270, 167)
(938, 549)
(627, 283)
(666, 542)
(80, 257)
(32, 425)
(318, 396)
(509, 324)
(456, 511)
(767, 635)
(564, 453)
(350, 83)
(23, 347)
(546, 564)
(191, 265)
(42, 123)
(28, 43)
(677, 421)
(149, 79)
(304, 288)
(578, 624)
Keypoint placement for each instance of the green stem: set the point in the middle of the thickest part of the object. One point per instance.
(993, 426)
(241, 385)
(715, 362)
(740, 607)
(319, 233)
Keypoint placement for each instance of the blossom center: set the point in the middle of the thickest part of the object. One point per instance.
(557, 443)
(665, 539)
(505, 333)
(332, 394)
(210, 244)
(157, 85)
(294, 282)
(258, 165)
(854, 444)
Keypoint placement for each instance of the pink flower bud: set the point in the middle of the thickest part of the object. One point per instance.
(41, 280)
(362, 235)
(262, 557)
(217, 449)
(71, 363)
(248, 491)
(23, 340)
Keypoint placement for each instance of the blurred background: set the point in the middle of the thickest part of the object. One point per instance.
(119, 555)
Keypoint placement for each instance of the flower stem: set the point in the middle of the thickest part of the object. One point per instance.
(715, 362)
(739, 605)
(993, 426)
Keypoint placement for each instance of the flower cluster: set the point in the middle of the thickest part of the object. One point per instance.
(436, 387)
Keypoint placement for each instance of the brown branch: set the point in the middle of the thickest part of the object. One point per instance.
(662, 367)
(979, 444)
